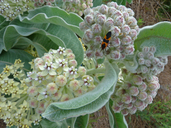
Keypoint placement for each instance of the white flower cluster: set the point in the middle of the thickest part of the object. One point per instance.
(150, 65)
(77, 6)
(55, 78)
(136, 94)
(113, 18)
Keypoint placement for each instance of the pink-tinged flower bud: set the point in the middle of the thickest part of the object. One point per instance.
(124, 112)
(126, 29)
(115, 41)
(112, 4)
(122, 8)
(73, 63)
(153, 94)
(33, 103)
(84, 6)
(32, 91)
(79, 92)
(154, 86)
(98, 54)
(133, 110)
(96, 28)
(147, 63)
(61, 80)
(56, 96)
(133, 91)
(132, 21)
(115, 55)
(89, 53)
(64, 97)
(163, 59)
(134, 98)
(116, 108)
(141, 61)
(87, 11)
(97, 40)
(126, 40)
(139, 103)
(101, 19)
(119, 21)
(109, 23)
(133, 33)
(160, 66)
(137, 79)
(120, 104)
(128, 106)
(70, 56)
(155, 61)
(140, 55)
(103, 9)
(89, 19)
(115, 31)
(149, 99)
(129, 49)
(126, 98)
(142, 87)
(130, 12)
(155, 78)
(74, 84)
(145, 49)
(41, 2)
(142, 96)
(125, 15)
(144, 69)
(51, 88)
(120, 92)
(111, 10)
(143, 107)
(41, 105)
(83, 26)
(88, 34)
(150, 55)
(82, 71)
(153, 49)
(116, 14)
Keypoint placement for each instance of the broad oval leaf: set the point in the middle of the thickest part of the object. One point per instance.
(157, 35)
(55, 15)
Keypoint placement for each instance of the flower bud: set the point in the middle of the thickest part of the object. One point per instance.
(98, 54)
(145, 49)
(130, 12)
(116, 108)
(89, 19)
(103, 9)
(142, 87)
(51, 88)
(111, 11)
(137, 79)
(70, 56)
(132, 21)
(32, 91)
(88, 35)
(142, 96)
(109, 23)
(115, 30)
(73, 63)
(101, 19)
(98, 40)
(153, 49)
(133, 91)
(144, 69)
(133, 110)
(129, 49)
(141, 61)
(147, 63)
(61, 80)
(115, 41)
(139, 103)
(96, 28)
(56, 96)
(149, 99)
(74, 84)
(119, 21)
(126, 40)
(150, 55)
(33, 103)
(115, 55)
(124, 112)
(82, 71)
(126, 98)
(126, 29)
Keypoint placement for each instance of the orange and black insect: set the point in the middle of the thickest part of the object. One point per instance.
(106, 40)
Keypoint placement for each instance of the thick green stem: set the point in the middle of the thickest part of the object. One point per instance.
(25, 96)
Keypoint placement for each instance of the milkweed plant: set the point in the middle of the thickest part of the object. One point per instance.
(63, 60)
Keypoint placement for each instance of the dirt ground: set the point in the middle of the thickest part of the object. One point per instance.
(147, 11)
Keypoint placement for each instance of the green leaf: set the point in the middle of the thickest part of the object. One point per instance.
(87, 103)
(55, 15)
(2, 46)
(157, 35)
(116, 120)
(67, 123)
(82, 121)
(8, 58)
(119, 2)
(123, 2)
(97, 3)
(129, 1)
